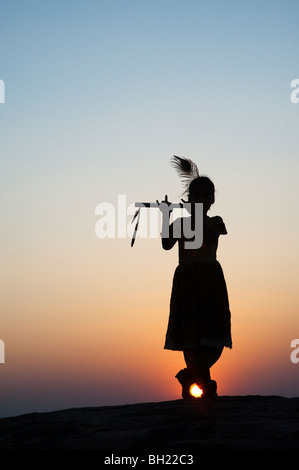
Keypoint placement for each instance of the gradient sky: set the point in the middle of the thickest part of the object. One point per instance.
(98, 96)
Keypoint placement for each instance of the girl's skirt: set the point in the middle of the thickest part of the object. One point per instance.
(199, 308)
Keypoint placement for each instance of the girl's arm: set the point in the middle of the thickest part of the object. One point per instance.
(167, 235)
(212, 233)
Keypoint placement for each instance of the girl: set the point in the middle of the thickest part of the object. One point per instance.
(199, 320)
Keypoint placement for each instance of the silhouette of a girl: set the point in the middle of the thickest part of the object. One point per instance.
(199, 320)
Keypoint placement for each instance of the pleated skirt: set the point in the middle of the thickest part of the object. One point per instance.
(199, 308)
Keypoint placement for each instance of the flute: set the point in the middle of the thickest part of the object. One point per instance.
(174, 205)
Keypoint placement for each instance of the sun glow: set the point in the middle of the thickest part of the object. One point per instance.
(195, 391)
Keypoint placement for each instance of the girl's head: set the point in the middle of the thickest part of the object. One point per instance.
(199, 188)
(202, 189)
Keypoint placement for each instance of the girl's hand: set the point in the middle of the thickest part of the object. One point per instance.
(164, 206)
(168, 241)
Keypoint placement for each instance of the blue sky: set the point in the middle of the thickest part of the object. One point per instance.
(115, 88)
(145, 74)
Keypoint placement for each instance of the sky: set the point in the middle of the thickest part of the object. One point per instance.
(98, 95)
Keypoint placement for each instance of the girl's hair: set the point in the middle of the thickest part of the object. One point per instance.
(204, 180)
(189, 174)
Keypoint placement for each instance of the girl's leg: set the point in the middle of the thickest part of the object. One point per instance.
(199, 361)
(197, 364)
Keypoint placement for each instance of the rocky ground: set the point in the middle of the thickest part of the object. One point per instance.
(227, 422)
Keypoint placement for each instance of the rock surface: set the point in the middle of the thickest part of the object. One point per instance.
(227, 422)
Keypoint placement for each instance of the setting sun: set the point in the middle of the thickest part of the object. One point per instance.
(195, 391)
